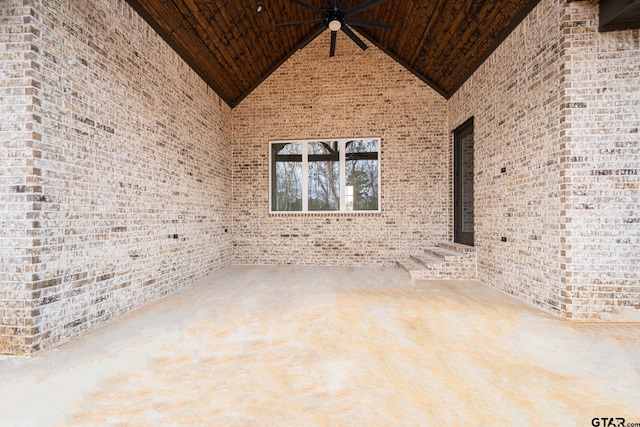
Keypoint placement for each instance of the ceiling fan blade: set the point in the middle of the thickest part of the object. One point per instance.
(353, 37)
(364, 6)
(332, 49)
(365, 23)
(312, 36)
(308, 21)
(343, 4)
(309, 6)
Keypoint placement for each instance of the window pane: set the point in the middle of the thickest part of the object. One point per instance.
(361, 192)
(324, 176)
(286, 177)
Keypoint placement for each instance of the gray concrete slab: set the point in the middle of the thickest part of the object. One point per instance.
(327, 346)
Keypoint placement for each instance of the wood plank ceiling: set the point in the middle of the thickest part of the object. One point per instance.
(233, 47)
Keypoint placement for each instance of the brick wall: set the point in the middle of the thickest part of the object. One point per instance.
(601, 172)
(354, 94)
(111, 146)
(557, 105)
(130, 149)
(16, 174)
(515, 99)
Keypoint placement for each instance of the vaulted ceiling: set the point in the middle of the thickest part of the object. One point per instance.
(235, 44)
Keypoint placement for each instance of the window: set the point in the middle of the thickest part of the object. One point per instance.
(336, 175)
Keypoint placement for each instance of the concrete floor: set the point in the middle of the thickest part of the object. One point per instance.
(330, 346)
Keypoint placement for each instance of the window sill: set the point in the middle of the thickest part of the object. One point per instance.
(327, 214)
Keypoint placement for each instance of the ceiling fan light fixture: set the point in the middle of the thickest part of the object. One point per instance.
(335, 25)
(337, 19)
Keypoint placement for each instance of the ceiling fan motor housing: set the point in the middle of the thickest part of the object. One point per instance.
(334, 19)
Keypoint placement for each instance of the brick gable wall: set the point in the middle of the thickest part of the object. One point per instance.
(354, 94)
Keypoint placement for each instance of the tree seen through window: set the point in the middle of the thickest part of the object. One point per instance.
(325, 176)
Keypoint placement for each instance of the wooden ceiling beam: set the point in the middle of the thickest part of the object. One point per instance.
(619, 15)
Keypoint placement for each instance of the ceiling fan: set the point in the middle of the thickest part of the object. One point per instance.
(336, 18)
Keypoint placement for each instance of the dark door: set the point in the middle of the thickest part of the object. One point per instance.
(463, 184)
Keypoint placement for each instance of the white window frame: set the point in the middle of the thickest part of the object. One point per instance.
(305, 176)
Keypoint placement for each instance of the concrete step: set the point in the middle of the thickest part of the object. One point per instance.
(408, 265)
(456, 247)
(426, 260)
(442, 253)
(444, 261)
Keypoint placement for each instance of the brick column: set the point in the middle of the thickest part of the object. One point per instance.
(19, 180)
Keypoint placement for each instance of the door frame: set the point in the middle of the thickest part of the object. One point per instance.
(462, 131)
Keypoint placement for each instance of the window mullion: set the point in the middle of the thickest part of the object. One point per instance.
(305, 177)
